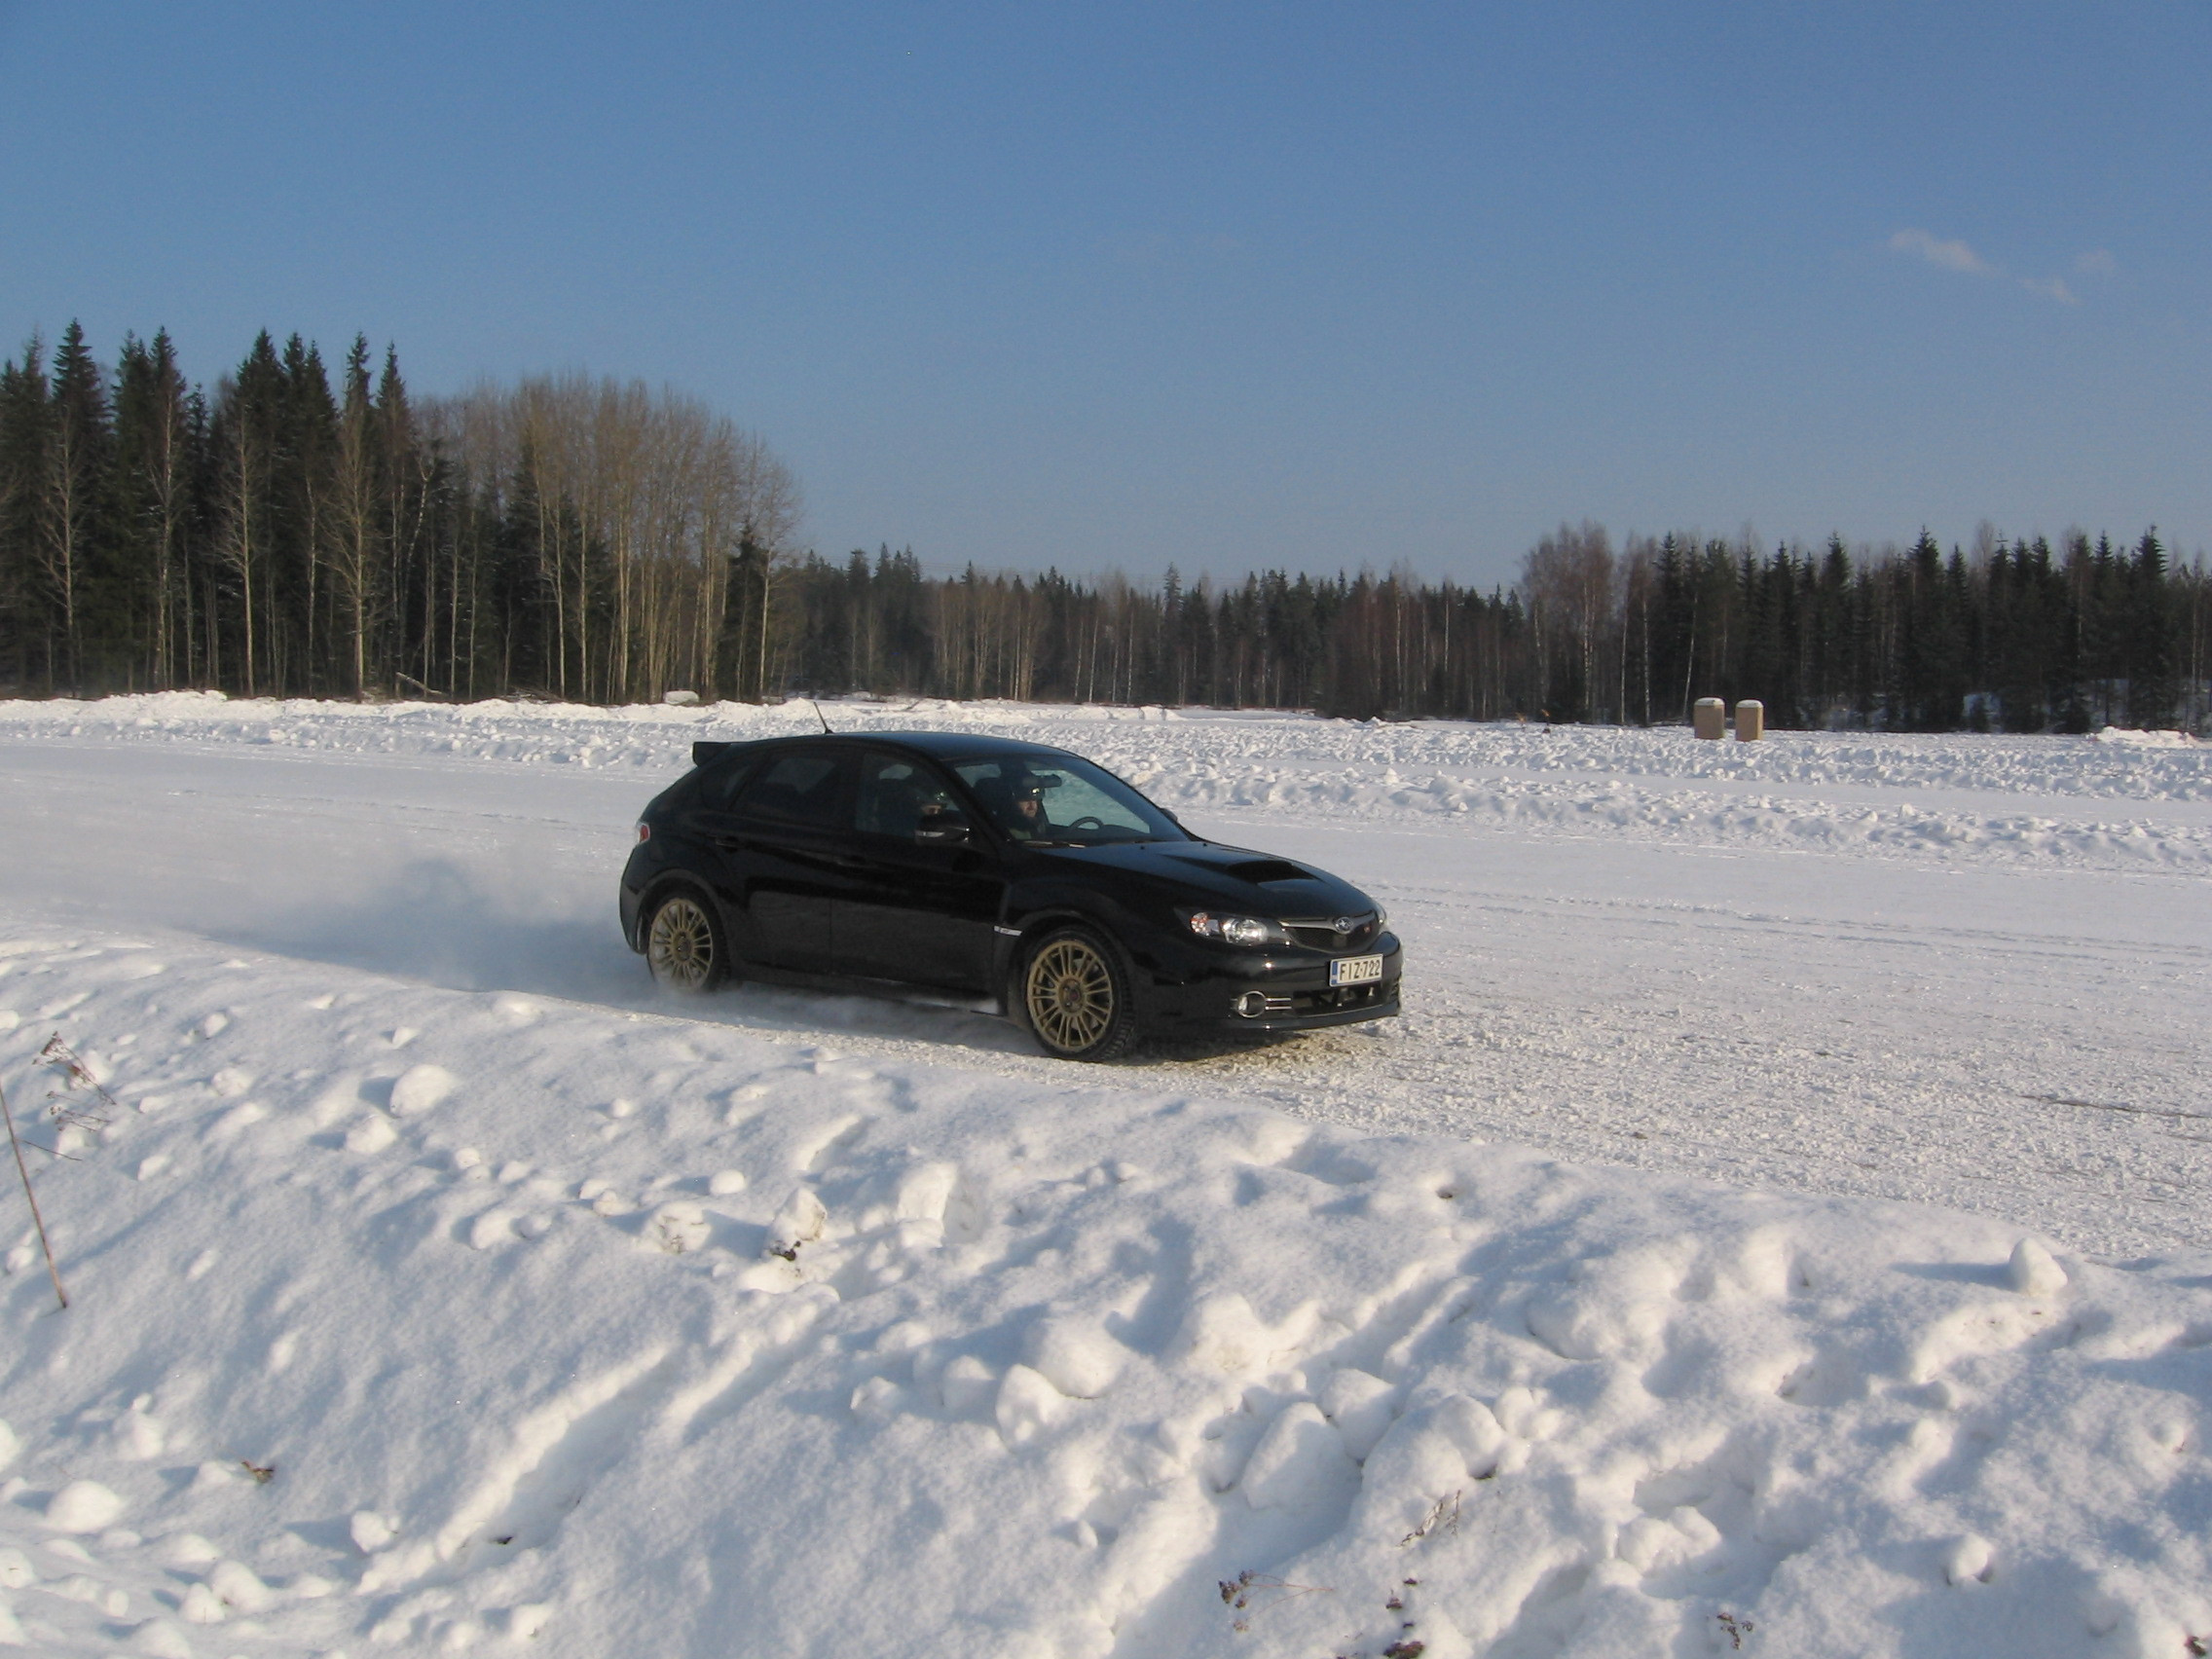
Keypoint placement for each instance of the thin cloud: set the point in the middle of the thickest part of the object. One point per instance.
(2097, 262)
(2051, 288)
(1944, 255)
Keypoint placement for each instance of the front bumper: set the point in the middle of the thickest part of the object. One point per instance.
(1385, 1005)
(1290, 991)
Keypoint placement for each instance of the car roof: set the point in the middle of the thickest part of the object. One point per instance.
(966, 745)
(939, 745)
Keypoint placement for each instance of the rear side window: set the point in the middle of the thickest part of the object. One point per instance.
(796, 789)
(720, 786)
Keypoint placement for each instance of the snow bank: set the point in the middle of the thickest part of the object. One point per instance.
(2095, 803)
(409, 1320)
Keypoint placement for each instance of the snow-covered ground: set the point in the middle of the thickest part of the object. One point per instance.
(1777, 1225)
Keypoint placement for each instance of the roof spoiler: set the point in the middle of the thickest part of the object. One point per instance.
(703, 752)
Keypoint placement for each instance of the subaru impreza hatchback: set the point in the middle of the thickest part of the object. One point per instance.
(998, 868)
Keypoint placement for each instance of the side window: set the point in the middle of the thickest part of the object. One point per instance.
(802, 790)
(718, 787)
(1048, 798)
(896, 798)
(1075, 799)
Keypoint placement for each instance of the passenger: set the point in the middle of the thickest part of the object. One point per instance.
(940, 820)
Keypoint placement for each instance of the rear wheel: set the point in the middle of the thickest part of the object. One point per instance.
(684, 946)
(1077, 997)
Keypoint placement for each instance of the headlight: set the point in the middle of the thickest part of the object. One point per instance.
(1251, 931)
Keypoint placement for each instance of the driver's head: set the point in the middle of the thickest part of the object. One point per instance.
(1028, 800)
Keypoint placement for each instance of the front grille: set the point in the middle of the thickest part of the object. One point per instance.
(1319, 933)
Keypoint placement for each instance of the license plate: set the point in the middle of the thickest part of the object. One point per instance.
(1355, 970)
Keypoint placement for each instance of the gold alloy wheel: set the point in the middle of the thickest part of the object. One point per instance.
(680, 945)
(1070, 995)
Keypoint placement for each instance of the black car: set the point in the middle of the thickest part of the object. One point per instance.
(998, 868)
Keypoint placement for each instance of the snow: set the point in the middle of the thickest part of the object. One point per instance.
(81, 1506)
(1772, 1228)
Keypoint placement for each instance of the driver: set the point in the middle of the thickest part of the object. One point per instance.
(1030, 823)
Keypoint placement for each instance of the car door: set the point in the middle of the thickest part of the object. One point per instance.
(786, 845)
(927, 888)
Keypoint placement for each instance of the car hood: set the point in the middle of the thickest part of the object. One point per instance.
(1207, 874)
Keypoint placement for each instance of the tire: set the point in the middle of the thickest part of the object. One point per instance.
(685, 944)
(1075, 996)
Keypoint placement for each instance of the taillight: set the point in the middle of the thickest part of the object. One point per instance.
(645, 831)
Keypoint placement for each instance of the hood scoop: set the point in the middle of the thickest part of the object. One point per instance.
(1256, 870)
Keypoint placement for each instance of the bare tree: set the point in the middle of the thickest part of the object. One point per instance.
(1567, 584)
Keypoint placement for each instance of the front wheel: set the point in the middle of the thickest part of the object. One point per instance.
(684, 946)
(1077, 997)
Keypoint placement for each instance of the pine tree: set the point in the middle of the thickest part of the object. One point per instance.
(403, 490)
(304, 491)
(72, 519)
(353, 546)
(26, 416)
(2153, 693)
(154, 467)
(1926, 642)
(246, 434)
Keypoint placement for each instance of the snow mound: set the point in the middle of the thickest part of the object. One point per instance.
(83, 1506)
(2144, 739)
(976, 1363)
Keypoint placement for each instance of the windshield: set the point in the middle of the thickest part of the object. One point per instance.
(1062, 800)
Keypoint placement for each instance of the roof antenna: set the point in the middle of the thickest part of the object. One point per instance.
(818, 714)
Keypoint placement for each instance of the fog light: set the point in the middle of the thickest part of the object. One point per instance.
(1252, 1003)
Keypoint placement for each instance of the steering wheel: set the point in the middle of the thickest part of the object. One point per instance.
(1086, 822)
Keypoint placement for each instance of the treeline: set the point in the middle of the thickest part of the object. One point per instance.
(300, 532)
(295, 533)
(2015, 636)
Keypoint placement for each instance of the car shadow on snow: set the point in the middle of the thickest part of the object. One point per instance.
(448, 925)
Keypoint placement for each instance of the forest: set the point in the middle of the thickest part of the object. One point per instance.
(299, 532)
(288, 536)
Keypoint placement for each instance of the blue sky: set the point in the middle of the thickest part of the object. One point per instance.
(1313, 285)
